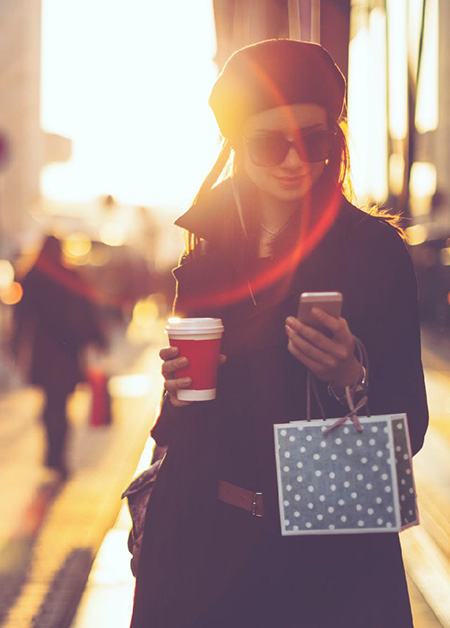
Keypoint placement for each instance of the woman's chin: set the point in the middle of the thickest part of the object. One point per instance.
(292, 195)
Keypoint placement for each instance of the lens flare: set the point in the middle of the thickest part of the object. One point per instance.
(311, 233)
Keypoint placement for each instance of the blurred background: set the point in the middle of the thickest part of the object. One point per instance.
(105, 137)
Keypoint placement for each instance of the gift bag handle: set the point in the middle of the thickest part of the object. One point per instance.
(311, 388)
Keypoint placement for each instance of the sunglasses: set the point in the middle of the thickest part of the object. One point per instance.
(271, 150)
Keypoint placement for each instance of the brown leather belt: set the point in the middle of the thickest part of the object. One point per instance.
(241, 497)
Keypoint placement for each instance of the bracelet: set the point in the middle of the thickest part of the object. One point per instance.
(356, 388)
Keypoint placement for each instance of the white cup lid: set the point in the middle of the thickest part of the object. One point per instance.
(194, 325)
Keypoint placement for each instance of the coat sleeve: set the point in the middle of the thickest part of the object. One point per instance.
(164, 424)
(390, 329)
(168, 415)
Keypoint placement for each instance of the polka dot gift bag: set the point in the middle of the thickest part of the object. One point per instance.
(354, 477)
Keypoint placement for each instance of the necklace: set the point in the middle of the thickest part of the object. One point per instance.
(272, 233)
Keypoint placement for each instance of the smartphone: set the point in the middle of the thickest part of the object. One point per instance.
(329, 302)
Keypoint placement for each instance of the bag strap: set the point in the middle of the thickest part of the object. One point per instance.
(311, 388)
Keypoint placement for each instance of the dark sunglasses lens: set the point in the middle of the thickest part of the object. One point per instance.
(267, 151)
(317, 146)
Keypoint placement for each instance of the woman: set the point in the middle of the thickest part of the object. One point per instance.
(278, 226)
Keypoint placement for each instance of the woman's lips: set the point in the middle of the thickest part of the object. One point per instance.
(290, 181)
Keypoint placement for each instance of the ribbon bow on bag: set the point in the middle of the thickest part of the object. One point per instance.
(352, 415)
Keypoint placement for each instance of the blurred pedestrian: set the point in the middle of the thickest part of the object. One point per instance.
(54, 322)
(279, 222)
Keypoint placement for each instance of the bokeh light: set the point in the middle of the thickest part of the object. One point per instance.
(422, 187)
(76, 248)
(112, 234)
(397, 13)
(76, 245)
(6, 273)
(12, 294)
(427, 111)
(416, 234)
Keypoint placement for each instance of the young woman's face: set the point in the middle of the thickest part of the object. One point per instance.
(290, 179)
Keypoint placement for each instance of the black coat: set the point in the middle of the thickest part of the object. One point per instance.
(54, 321)
(205, 563)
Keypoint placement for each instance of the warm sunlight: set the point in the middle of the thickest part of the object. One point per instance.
(367, 106)
(398, 68)
(128, 83)
(427, 114)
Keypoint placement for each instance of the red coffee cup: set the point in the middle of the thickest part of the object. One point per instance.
(198, 340)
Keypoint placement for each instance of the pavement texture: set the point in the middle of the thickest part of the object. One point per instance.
(64, 561)
(52, 530)
(426, 548)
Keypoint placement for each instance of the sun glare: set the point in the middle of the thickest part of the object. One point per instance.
(367, 111)
(427, 114)
(398, 68)
(128, 83)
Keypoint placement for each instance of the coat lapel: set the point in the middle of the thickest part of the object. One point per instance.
(213, 281)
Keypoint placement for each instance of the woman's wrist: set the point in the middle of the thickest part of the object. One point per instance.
(352, 377)
(358, 386)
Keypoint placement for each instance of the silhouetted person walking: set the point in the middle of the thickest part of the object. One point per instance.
(54, 322)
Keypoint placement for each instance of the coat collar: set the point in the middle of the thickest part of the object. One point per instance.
(217, 214)
(216, 220)
(212, 216)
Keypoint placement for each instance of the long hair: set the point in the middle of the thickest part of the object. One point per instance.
(221, 169)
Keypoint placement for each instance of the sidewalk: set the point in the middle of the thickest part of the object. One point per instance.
(108, 597)
(427, 547)
(53, 531)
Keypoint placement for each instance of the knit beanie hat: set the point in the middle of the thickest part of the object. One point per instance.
(274, 73)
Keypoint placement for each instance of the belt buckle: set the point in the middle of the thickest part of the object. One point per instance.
(254, 504)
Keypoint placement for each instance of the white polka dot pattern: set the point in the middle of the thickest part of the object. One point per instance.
(406, 489)
(348, 482)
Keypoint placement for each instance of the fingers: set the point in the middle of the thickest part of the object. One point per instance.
(339, 347)
(172, 385)
(338, 326)
(177, 403)
(319, 370)
(331, 360)
(172, 363)
(311, 364)
(168, 353)
(169, 367)
(303, 349)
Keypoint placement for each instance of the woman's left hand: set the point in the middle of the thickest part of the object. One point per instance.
(329, 359)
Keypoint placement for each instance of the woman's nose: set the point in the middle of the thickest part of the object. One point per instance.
(293, 159)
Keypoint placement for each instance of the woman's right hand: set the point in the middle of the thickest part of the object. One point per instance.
(172, 363)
